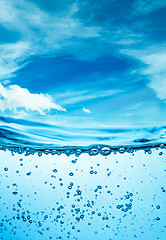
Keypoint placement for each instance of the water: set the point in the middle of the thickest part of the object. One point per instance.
(119, 196)
(82, 120)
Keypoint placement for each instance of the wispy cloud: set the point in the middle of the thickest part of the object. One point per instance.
(147, 6)
(154, 59)
(41, 32)
(75, 97)
(50, 34)
(86, 110)
(135, 106)
(11, 58)
(17, 99)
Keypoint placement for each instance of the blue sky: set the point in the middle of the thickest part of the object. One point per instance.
(84, 63)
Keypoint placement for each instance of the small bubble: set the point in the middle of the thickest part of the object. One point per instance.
(93, 151)
(53, 152)
(78, 192)
(149, 152)
(6, 169)
(46, 151)
(74, 161)
(58, 152)
(121, 150)
(105, 151)
(71, 174)
(161, 145)
(157, 218)
(15, 193)
(39, 154)
(118, 206)
(28, 174)
(78, 152)
(158, 206)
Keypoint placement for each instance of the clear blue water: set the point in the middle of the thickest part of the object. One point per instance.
(82, 120)
(120, 196)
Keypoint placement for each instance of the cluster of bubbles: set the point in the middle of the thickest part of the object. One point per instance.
(79, 212)
(69, 214)
(127, 206)
(104, 150)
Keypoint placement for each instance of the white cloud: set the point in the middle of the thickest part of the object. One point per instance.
(15, 98)
(41, 33)
(86, 110)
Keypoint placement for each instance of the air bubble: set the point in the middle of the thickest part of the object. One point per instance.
(28, 174)
(68, 152)
(71, 174)
(149, 151)
(93, 152)
(46, 151)
(15, 193)
(121, 150)
(39, 154)
(161, 145)
(53, 152)
(105, 151)
(78, 152)
(58, 152)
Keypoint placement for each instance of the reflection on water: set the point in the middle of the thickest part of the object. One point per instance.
(119, 196)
